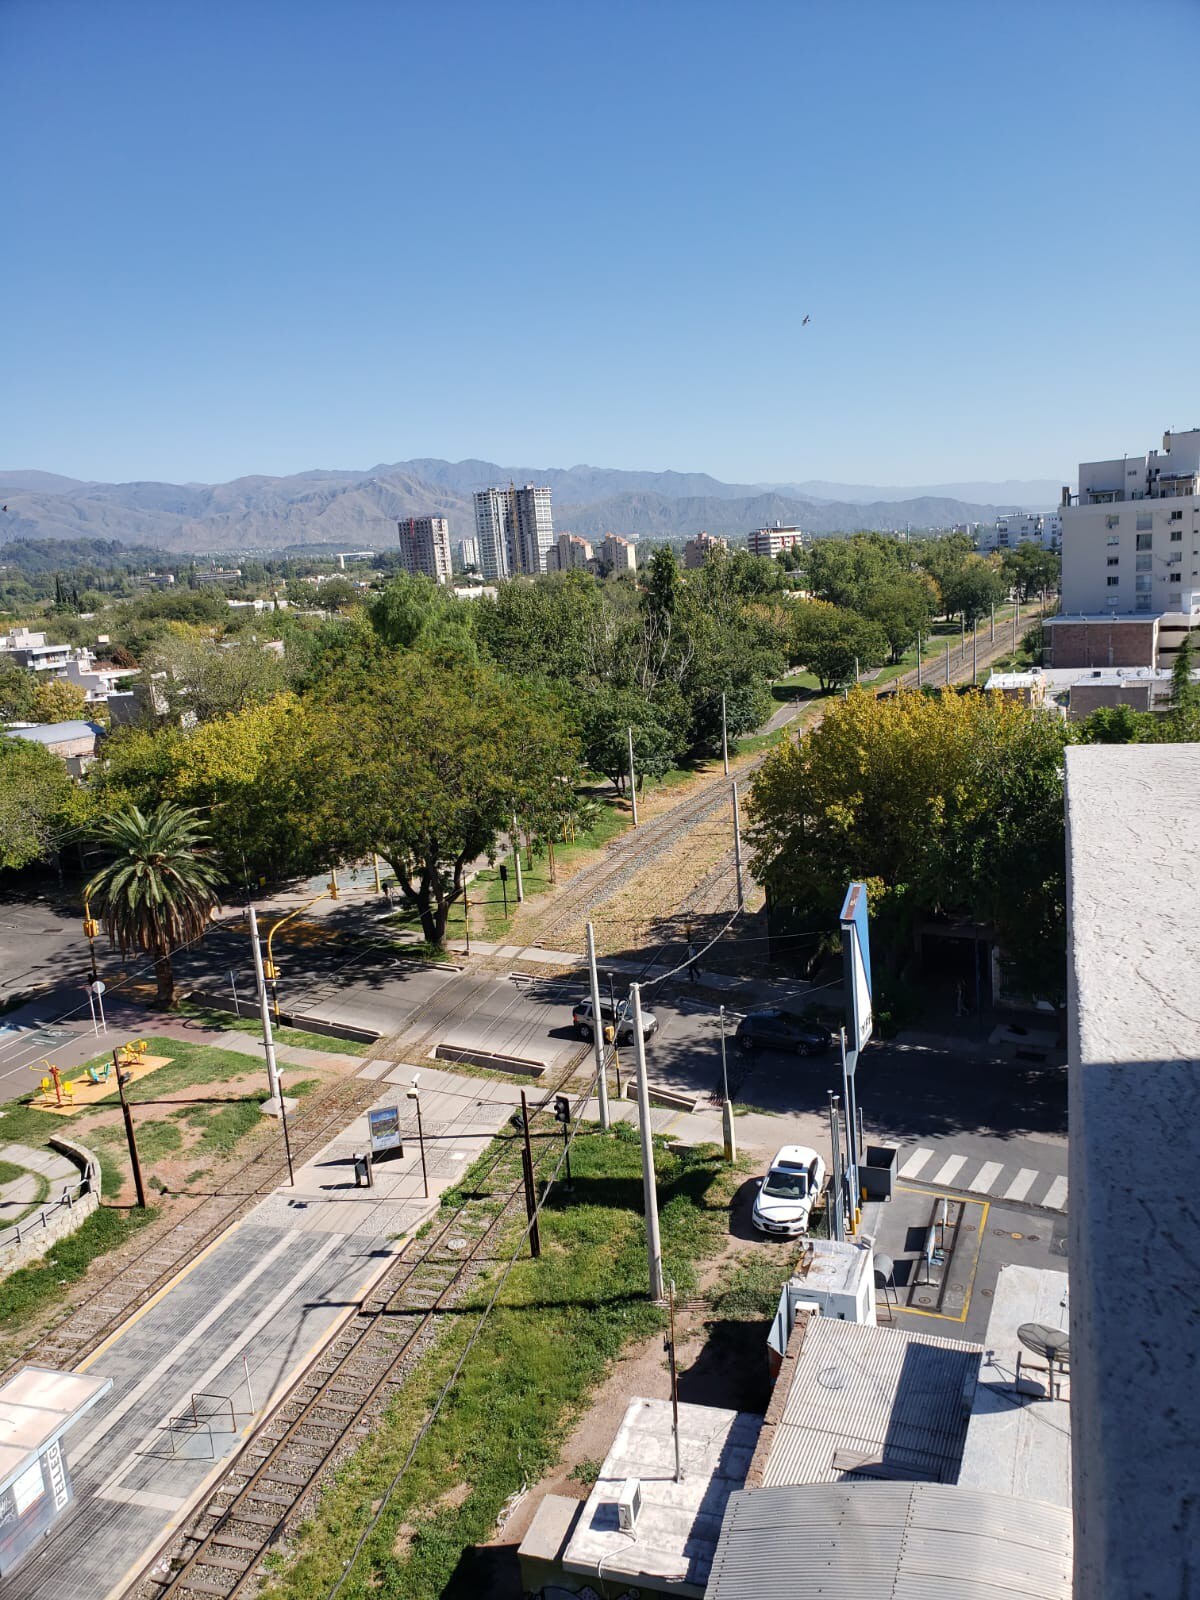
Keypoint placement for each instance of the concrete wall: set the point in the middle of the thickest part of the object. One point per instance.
(1133, 837)
(1101, 641)
(42, 1229)
(1089, 697)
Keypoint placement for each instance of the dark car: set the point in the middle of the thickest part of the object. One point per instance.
(581, 1016)
(783, 1030)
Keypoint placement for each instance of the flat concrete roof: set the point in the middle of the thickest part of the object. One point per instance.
(1019, 1435)
(836, 1266)
(1133, 909)
(679, 1525)
(36, 1405)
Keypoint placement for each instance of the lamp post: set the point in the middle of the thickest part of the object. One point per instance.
(414, 1094)
(91, 928)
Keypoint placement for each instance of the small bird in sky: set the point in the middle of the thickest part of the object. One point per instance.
(804, 324)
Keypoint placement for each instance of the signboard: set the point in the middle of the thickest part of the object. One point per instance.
(856, 957)
(384, 1126)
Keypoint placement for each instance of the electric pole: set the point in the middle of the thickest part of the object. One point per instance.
(632, 779)
(276, 1100)
(918, 660)
(598, 1028)
(737, 848)
(128, 1116)
(724, 737)
(653, 1242)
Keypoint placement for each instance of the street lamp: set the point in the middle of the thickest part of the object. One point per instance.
(414, 1094)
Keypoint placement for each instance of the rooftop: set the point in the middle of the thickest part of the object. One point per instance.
(56, 732)
(679, 1523)
(910, 1541)
(1015, 680)
(36, 1405)
(867, 1402)
(1019, 1436)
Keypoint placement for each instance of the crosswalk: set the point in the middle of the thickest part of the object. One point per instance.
(996, 1179)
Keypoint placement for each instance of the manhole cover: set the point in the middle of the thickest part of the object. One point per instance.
(456, 1244)
(1005, 1234)
(925, 1299)
(1033, 1237)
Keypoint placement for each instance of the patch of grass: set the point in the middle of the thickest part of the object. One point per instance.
(32, 1288)
(756, 742)
(557, 1324)
(751, 1290)
(301, 1038)
(189, 1065)
(586, 1471)
(10, 1171)
(221, 1127)
(305, 1086)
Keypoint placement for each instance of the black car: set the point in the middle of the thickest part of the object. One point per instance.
(783, 1030)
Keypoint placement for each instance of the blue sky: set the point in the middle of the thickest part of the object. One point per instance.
(263, 235)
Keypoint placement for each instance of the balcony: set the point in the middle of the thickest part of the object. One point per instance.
(1102, 497)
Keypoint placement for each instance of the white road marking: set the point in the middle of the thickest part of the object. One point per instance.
(949, 1170)
(1056, 1195)
(915, 1162)
(986, 1177)
(1021, 1184)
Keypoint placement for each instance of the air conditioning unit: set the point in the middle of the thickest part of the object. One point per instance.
(629, 1505)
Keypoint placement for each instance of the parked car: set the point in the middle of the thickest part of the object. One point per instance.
(783, 1030)
(785, 1196)
(581, 1016)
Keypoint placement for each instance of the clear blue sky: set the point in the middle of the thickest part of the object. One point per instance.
(263, 235)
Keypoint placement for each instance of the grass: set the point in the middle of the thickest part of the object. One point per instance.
(300, 1038)
(486, 896)
(10, 1172)
(32, 1288)
(751, 1290)
(754, 743)
(558, 1324)
(189, 1066)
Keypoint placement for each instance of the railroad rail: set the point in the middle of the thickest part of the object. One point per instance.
(226, 1538)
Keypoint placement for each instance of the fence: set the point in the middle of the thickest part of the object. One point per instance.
(33, 1235)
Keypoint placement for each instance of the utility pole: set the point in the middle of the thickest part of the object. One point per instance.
(947, 666)
(375, 864)
(653, 1242)
(737, 848)
(918, 660)
(632, 779)
(516, 844)
(856, 675)
(535, 1237)
(993, 640)
(674, 1383)
(276, 1100)
(975, 657)
(598, 1028)
(963, 649)
(835, 1145)
(91, 928)
(726, 1107)
(127, 1115)
(724, 737)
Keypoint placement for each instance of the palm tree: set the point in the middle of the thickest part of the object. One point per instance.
(159, 889)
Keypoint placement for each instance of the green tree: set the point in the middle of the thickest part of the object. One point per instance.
(36, 801)
(58, 700)
(337, 594)
(202, 679)
(605, 718)
(1029, 569)
(902, 607)
(972, 589)
(160, 888)
(1113, 725)
(827, 641)
(17, 694)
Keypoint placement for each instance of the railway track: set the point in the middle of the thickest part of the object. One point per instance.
(220, 1552)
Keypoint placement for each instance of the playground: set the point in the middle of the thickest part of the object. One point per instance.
(94, 1082)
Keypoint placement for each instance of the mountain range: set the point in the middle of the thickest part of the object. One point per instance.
(352, 509)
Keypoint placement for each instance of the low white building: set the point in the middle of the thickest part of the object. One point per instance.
(1043, 529)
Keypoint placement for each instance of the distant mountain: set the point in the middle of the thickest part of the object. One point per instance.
(351, 509)
(1029, 494)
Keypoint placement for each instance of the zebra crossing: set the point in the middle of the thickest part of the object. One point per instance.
(996, 1179)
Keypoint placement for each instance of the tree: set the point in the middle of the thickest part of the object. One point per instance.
(1114, 725)
(605, 718)
(1029, 569)
(943, 804)
(208, 680)
(412, 612)
(17, 694)
(902, 608)
(159, 890)
(427, 768)
(973, 589)
(36, 798)
(58, 700)
(828, 641)
(337, 594)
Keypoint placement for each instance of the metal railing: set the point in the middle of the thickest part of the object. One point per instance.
(40, 1220)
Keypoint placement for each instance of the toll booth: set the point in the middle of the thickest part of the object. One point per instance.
(37, 1406)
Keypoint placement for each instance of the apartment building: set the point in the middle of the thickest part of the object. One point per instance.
(569, 553)
(514, 528)
(468, 552)
(770, 541)
(1043, 529)
(425, 547)
(1131, 559)
(697, 551)
(617, 554)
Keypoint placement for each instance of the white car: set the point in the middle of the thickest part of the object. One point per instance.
(785, 1196)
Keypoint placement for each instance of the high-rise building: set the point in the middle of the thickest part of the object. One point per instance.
(617, 554)
(468, 552)
(697, 551)
(534, 526)
(425, 546)
(770, 541)
(492, 534)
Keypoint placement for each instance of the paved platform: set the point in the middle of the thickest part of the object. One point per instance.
(195, 1368)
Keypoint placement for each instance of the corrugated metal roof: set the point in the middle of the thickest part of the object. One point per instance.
(56, 732)
(890, 1541)
(891, 1398)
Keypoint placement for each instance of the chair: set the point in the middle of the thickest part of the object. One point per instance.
(100, 1074)
(68, 1090)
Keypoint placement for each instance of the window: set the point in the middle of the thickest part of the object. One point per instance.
(1143, 602)
(1177, 516)
(1113, 582)
(1112, 522)
(1145, 523)
(1112, 543)
(1145, 541)
(1176, 577)
(1176, 535)
(1114, 561)
(1142, 584)
(1143, 563)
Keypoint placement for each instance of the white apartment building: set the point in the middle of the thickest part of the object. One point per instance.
(617, 554)
(770, 541)
(569, 553)
(513, 529)
(30, 650)
(468, 552)
(1043, 529)
(425, 547)
(1131, 538)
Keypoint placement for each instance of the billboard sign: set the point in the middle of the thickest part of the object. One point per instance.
(384, 1125)
(856, 959)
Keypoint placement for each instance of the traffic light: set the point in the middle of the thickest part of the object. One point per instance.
(562, 1109)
